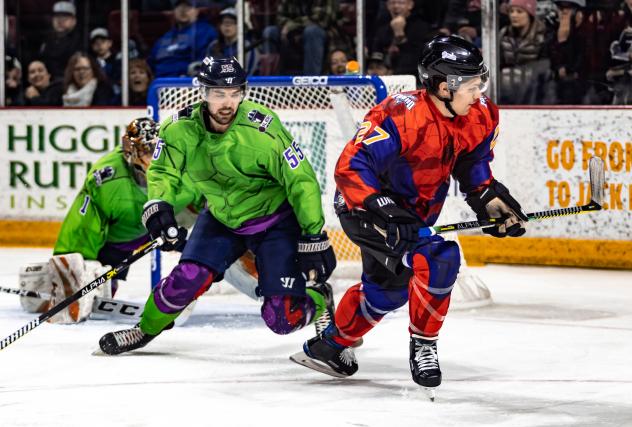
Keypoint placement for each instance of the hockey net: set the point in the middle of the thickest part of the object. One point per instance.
(321, 112)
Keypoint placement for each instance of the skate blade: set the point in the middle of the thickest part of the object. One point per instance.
(302, 359)
(431, 393)
(99, 352)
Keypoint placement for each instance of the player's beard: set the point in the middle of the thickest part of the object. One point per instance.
(225, 118)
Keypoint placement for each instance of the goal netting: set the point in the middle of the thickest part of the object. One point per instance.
(321, 112)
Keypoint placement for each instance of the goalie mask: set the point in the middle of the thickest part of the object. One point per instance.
(139, 142)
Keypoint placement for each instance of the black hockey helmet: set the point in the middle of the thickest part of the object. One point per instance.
(221, 72)
(453, 60)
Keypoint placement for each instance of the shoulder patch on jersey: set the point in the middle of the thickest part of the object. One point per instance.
(264, 120)
(408, 100)
(184, 113)
(102, 175)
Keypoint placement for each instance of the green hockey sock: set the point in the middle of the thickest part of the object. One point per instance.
(153, 321)
(319, 302)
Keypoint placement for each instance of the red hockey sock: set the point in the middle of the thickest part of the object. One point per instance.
(427, 312)
(353, 317)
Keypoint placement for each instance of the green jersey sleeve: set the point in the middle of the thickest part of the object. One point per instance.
(84, 229)
(164, 176)
(290, 167)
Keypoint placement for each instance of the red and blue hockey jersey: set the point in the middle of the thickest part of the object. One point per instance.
(406, 148)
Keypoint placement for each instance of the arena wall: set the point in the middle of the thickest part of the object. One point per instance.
(541, 155)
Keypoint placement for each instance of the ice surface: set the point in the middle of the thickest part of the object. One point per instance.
(555, 349)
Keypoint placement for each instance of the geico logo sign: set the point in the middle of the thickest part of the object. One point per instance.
(309, 80)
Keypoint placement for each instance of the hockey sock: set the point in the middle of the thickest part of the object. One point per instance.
(427, 310)
(353, 318)
(320, 303)
(153, 321)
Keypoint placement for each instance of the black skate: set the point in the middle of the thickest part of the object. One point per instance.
(424, 363)
(326, 318)
(125, 340)
(323, 354)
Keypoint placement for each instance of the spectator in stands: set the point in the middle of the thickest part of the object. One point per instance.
(140, 77)
(463, 13)
(377, 65)
(337, 63)
(13, 81)
(602, 25)
(524, 60)
(101, 45)
(403, 37)
(64, 40)
(226, 43)
(185, 43)
(301, 24)
(85, 84)
(42, 89)
(620, 74)
(567, 51)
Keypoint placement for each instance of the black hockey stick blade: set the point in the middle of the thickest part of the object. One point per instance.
(110, 274)
(597, 182)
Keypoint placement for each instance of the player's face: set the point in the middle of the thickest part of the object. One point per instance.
(467, 95)
(223, 104)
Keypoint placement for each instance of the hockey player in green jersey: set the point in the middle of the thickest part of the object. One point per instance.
(103, 226)
(262, 195)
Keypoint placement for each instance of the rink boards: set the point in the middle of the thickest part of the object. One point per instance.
(541, 155)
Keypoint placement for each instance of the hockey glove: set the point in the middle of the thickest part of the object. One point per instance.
(398, 226)
(496, 202)
(315, 254)
(159, 219)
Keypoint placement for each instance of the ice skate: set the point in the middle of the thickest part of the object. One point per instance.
(424, 364)
(323, 354)
(122, 341)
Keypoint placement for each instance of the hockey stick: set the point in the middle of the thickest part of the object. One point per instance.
(597, 180)
(25, 293)
(102, 308)
(112, 273)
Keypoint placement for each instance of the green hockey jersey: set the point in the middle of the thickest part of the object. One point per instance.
(108, 208)
(245, 173)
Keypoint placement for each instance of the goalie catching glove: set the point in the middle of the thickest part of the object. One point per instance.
(160, 220)
(316, 254)
(494, 201)
(399, 226)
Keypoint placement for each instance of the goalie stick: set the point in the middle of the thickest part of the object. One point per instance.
(112, 273)
(597, 180)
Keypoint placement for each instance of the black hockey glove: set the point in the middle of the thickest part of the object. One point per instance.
(496, 202)
(398, 226)
(159, 219)
(316, 254)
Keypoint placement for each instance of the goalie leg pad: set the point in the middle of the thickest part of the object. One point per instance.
(435, 267)
(35, 277)
(186, 282)
(285, 314)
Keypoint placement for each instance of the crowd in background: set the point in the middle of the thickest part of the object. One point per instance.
(550, 51)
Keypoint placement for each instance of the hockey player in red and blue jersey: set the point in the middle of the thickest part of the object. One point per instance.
(392, 179)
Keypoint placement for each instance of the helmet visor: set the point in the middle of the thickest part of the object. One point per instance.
(472, 83)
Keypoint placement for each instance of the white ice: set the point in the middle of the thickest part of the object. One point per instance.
(555, 349)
